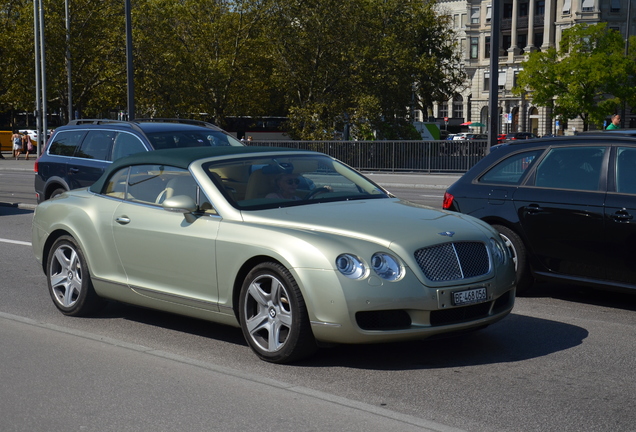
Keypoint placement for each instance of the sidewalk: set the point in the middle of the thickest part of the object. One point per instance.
(10, 164)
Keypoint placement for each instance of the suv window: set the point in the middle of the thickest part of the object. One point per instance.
(510, 170)
(126, 144)
(626, 170)
(65, 142)
(577, 168)
(96, 145)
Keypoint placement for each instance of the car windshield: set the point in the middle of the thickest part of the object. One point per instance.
(289, 180)
(190, 138)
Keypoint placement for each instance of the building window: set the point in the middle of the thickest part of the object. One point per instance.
(616, 6)
(488, 13)
(458, 106)
(507, 10)
(443, 109)
(523, 9)
(506, 41)
(522, 40)
(486, 81)
(587, 5)
(474, 47)
(567, 6)
(538, 39)
(474, 16)
(487, 47)
(539, 8)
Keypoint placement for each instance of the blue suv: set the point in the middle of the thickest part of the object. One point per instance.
(77, 154)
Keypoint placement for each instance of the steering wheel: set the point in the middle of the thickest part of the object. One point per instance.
(313, 193)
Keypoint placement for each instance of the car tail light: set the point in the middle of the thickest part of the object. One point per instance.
(448, 201)
(35, 165)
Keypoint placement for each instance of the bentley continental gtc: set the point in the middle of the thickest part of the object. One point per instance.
(292, 246)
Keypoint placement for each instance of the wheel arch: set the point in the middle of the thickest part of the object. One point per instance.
(242, 274)
(51, 239)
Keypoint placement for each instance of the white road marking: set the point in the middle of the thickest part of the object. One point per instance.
(15, 242)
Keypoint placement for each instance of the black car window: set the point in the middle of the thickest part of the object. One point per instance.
(65, 142)
(181, 139)
(96, 145)
(577, 168)
(626, 170)
(126, 144)
(510, 170)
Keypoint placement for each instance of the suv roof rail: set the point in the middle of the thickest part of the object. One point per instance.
(178, 120)
(104, 121)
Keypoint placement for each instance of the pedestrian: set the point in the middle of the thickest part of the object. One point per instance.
(16, 138)
(30, 149)
(616, 122)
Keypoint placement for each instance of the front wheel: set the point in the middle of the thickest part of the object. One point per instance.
(69, 281)
(273, 315)
(518, 252)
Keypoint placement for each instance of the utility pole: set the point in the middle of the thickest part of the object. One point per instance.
(129, 64)
(493, 102)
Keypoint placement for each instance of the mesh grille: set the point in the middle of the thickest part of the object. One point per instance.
(453, 261)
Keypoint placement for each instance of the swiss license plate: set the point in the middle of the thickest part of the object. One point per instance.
(476, 295)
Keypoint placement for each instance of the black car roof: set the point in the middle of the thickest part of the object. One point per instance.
(183, 157)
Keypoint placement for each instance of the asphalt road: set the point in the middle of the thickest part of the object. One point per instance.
(564, 360)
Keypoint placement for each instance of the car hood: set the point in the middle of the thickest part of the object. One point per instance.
(384, 221)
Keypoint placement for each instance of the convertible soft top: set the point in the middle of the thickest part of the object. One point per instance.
(181, 158)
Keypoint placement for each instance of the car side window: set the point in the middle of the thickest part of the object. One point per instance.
(577, 168)
(153, 184)
(511, 169)
(96, 145)
(626, 170)
(65, 142)
(126, 144)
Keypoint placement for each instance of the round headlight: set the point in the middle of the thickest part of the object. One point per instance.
(498, 251)
(350, 266)
(386, 266)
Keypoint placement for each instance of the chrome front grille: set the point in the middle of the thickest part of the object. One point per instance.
(453, 261)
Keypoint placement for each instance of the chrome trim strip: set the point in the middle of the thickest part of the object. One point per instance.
(321, 323)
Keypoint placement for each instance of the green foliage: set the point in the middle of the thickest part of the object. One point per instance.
(324, 63)
(588, 77)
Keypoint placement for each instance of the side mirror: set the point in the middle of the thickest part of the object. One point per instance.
(180, 204)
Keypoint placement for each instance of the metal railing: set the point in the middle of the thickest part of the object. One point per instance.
(397, 156)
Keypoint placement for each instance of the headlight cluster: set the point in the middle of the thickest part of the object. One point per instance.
(499, 252)
(384, 265)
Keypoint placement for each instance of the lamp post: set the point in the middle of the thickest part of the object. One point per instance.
(129, 64)
(494, 76)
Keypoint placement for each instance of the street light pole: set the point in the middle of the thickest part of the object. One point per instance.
(36, 43)
(68, 62)
(493, 103)
(129, 64)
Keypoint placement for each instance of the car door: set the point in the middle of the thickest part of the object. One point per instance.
(561, 211)
(90, 158)
(165, 255)
(620, 217)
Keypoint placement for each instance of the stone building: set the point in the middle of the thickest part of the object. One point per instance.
(525, 26)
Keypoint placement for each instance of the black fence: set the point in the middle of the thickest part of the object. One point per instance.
(397, 156)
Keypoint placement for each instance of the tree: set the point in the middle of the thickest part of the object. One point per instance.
(587, 77)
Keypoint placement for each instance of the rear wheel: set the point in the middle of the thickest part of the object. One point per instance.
(69, 280)
(56, 192)
(273, 315)
(518, 252)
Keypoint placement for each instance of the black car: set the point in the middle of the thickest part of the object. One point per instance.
(565, 206)
(77, 154)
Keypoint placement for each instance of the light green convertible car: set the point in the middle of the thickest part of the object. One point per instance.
(294, 247)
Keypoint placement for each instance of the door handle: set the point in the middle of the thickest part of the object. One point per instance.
(74, 170)
(533, 208)
(622, 216)
(122, 220)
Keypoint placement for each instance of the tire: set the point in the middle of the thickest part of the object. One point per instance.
(69, 280)
(56, 192)
(273, 315)
(518, 252)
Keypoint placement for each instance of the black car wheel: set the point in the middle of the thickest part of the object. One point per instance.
(69, 281)
(273, 315)
(518, 252)
(56, 192)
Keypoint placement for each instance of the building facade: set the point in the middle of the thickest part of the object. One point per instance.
(525, 26)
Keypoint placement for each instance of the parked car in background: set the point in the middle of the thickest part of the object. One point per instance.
(292, 246)
(520, 136)
(77, 154)
(501, 138)
(564, 206)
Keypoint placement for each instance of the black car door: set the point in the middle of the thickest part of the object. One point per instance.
(91, 158)
(620, 216)
(560, 209)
